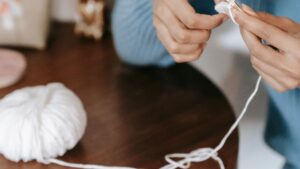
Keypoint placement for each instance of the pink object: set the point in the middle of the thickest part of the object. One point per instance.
(12, 67)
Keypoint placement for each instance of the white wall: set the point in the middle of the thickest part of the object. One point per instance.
(67, 10)
(64, 10)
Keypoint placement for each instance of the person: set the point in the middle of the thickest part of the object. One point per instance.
(162, 32)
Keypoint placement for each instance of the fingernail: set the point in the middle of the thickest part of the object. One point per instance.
(248, 10)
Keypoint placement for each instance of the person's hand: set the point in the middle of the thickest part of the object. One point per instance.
(182, 31)
(279, 62)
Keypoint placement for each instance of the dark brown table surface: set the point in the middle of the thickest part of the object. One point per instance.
(135, 115)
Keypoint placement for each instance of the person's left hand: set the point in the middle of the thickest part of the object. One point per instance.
(279, 67)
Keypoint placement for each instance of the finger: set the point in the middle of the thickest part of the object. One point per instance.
(269, 79)
(273, 83)
(179, 32)
(262, 52)
(271, 34)
(172, 46)
(249, 10)
(277, 75)
(190, 18)
(283, 23)
(269, 56)
(181, 58)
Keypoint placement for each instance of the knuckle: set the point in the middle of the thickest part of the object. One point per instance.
(266, 35)
(182, 37)
(239, 20)
(191, 23)
(264, 32)
(174, 48)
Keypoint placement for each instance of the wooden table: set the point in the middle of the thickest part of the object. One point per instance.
(135, 115)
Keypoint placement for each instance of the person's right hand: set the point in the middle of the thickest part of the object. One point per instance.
(182, 31)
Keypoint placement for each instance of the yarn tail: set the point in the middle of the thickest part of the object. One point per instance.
(199, 155)
(240, 117)
(83, 166)
(204, 154)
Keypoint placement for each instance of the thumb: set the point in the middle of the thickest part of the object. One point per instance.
(282, 23)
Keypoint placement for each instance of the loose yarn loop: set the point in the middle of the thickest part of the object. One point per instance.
(196, 156)
(204, 154)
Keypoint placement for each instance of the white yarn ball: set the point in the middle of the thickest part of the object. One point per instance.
(40, 123)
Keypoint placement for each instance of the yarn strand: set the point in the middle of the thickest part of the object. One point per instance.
(196, 156)
(204, 154)
(82, 166)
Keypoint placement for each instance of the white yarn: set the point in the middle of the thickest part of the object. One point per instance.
(83, 166)
(225, 8)
(204, 154)
(40, 123)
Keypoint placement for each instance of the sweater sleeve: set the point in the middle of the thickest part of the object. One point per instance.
(135, 36)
